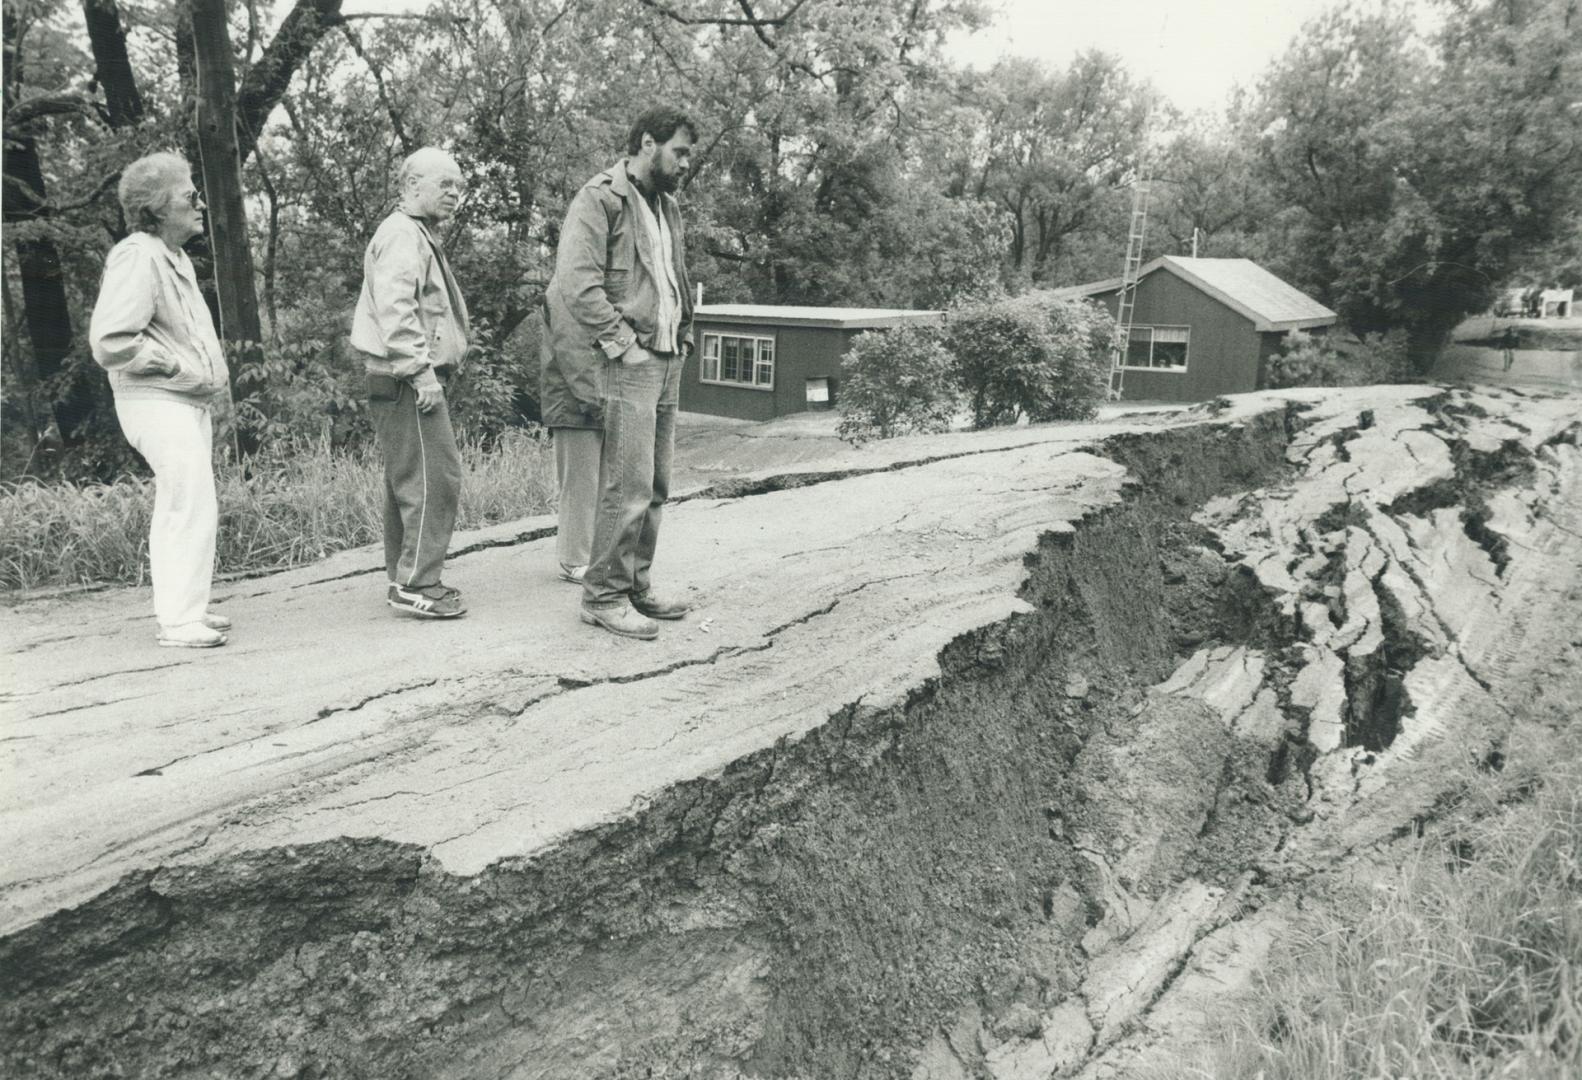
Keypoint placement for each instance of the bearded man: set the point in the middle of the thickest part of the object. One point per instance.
(620, 326)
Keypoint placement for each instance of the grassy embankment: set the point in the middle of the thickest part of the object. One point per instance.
(1463, 961)
(311, 504)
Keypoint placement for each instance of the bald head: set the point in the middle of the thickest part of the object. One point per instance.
(430, 184)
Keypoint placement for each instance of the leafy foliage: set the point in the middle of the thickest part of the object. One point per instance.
(843, 160)
(1032, 356)
(1419, 173)
(893, 382)
(1308, 360)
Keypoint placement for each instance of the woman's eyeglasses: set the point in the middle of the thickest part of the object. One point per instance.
(195, 199)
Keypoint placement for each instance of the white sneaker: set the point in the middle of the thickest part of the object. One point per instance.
(215, 621)
(193, 635)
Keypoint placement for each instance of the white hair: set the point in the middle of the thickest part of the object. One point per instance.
(422, 162)
(145, 188)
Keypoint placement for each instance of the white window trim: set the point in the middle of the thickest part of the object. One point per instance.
(1151, 327)
(774, 367)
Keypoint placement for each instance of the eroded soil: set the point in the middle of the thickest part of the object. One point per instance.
(999, 757)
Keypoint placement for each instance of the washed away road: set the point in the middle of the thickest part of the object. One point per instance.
(977, 754)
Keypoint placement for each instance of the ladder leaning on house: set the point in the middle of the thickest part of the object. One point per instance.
(1126, 301)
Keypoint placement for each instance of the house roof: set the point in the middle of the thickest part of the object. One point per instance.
(1240, 284)
(844, 318)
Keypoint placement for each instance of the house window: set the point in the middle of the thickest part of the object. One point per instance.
(735, 360)
(1158, 348)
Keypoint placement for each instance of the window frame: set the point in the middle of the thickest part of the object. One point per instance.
(713, 355)
(1169, 369)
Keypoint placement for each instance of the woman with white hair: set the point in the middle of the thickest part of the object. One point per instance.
(152, 332)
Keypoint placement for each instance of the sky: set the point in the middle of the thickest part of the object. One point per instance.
(1193, 51)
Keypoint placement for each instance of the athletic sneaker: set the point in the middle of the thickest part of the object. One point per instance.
(573, 574)
(429, 602)
(193, 635)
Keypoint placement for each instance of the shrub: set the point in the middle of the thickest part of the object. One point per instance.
(1032, 355)
(309, 390)
(895, 381)
(1316, 361)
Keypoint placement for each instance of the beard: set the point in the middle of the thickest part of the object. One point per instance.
(664, 181)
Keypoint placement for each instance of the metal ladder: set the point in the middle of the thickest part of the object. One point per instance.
(1127, 300)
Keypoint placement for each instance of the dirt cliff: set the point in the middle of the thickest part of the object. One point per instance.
(983, 756)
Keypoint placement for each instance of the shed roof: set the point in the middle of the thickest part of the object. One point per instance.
(844, 318)
(1240, 284)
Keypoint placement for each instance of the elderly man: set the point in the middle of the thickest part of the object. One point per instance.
(620, 323)
(411, 329)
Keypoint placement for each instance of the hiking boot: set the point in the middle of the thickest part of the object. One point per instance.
(659, 606)
(622, 620)
(429, 602)
(573, 574)
(192, 635)
(215, 621)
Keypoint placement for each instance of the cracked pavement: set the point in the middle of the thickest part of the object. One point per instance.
(490, 737)
(824, 596)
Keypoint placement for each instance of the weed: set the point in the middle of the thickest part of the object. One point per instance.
(1466, 963)
(302, 504)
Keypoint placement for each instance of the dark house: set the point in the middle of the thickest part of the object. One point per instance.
(1205, 327)
(760, 361)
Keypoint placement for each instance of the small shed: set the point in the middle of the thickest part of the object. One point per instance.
(1556, 303)
(1205, 327)
(760, 361)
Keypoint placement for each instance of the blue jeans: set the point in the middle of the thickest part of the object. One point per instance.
(634, 475)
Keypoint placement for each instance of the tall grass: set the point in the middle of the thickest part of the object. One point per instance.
(301, 506)
(1467, 963)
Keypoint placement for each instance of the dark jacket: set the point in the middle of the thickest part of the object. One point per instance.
(604, 295)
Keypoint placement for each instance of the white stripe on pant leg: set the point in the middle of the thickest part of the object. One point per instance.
(422, 517)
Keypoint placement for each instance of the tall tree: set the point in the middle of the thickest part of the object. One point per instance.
(1420, 172)
(220, 160)
(1207, 191)
(1053, 147)
(26, 208)
(111, 64)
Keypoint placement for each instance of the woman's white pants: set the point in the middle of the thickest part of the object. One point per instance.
(178, 443)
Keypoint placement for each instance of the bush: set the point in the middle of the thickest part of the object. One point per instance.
(309, 390)
(1316, 361)
(895, 381)
(1032, 355)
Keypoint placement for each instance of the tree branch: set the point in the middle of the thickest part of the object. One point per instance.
(66, 101)
(47, 207)
(379, 85)
(752, 18)
(418, 16)
(267, 80)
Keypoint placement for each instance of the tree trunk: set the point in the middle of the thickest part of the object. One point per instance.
(44, 303)
(222, 184)
(111, 65)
